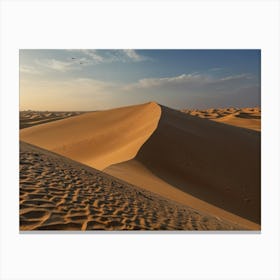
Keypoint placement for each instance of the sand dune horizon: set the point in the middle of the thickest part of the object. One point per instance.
(207, 165)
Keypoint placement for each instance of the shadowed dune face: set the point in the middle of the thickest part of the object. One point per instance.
(98, 139)
(215, 162)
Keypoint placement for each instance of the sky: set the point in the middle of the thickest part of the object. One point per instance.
(87, 80)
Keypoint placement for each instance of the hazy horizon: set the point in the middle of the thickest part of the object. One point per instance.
(88, 80)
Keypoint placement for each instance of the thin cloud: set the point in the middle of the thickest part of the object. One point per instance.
(108, 56)
(245, 76)
(215, 69)
(181, 79)
(193, 83)
(26, 69)
(57, 65)
(93, 55)
(134, 56)
(193, 78)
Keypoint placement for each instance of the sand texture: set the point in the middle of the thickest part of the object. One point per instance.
(59, 194)
(31, 118)
(204, 164)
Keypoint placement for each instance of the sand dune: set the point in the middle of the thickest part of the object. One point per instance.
(59, 194)
(241, 117)
(207, 165)
(31, 118)
(215, 162)
(98, 139)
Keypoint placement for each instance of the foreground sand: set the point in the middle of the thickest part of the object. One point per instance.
(209, 166)
(59, 194)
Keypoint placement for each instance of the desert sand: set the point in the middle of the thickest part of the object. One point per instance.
(98, 139)
(57, 193)
(241, 117)
(195, 162)
(31, 118)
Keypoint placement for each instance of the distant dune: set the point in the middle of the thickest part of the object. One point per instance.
(206, 165)
(241, 117)
(31, 118)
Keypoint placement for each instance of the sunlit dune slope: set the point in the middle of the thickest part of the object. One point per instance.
(98, 139)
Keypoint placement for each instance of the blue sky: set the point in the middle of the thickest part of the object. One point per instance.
(102, 79)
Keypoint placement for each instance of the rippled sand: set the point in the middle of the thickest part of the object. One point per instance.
(57, 193)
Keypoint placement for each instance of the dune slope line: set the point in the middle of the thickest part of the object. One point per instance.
(98, 139)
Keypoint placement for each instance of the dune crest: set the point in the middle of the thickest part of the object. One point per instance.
(98, 139)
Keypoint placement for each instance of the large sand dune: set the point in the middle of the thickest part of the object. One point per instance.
(98, 139)
(207, 165)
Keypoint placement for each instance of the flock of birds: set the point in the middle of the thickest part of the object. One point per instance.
(74, 58)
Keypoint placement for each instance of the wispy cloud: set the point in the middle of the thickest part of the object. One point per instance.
(108, 56)
(26, 69)
(93, 55)
(245, 76)
(193, 80)
(215, 69)
(177, 80)
(57, 65)
(134, 56)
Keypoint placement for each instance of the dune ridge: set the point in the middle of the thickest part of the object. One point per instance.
(216, 167)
